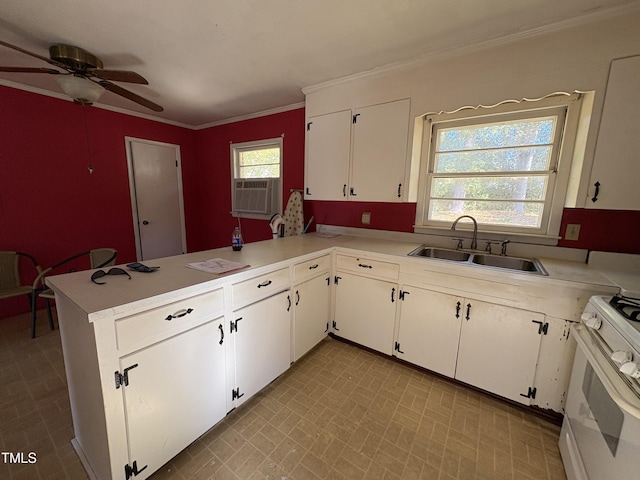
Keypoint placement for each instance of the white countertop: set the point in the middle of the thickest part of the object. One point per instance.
(174, 281)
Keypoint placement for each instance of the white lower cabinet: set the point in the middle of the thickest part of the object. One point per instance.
(262, 339)
(498, 349)
(365, 311)
(173, 392)
(492, 347)
(429, 329)
(310, 314)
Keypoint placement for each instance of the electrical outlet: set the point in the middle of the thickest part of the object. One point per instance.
(572, 232)
(366, 218)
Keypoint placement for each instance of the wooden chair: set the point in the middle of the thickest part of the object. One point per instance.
(98, 258)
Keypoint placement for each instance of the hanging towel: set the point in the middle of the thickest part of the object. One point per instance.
(294, 215)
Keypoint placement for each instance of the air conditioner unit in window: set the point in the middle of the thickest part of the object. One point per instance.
(256, 195)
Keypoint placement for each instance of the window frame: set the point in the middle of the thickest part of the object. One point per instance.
(568, 105)
(235, 149)
(238, 148)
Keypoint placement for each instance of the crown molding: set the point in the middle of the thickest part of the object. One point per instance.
(250, 116)
(62, 96)
(475, 47)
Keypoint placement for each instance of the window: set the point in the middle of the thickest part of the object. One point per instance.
(500, 167)
(256, 173)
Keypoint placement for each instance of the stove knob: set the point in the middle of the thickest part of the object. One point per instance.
(591, 320)
(621, 357)
(632, 369)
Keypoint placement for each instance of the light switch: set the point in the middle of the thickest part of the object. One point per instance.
(366, 218)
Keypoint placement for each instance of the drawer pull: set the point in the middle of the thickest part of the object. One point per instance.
(362, 265)
(221, 334)
(264, 284)
(315, 265)
(179, 314)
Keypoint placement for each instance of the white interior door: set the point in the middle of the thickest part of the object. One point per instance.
(156, 198)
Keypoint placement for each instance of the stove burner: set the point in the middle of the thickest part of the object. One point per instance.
(627, 307)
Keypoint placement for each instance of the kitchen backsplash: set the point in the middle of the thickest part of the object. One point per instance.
(603, 230)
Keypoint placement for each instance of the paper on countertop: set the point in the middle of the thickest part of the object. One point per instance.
(217, 266)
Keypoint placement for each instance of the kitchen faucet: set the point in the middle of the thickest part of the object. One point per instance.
(474, 240)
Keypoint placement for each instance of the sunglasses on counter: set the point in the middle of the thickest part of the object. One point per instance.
(112, 271)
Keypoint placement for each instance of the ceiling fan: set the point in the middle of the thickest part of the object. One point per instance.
(82, 76)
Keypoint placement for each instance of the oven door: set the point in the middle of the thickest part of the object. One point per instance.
(600, 438)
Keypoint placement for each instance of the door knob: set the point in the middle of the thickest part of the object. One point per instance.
(145, 222)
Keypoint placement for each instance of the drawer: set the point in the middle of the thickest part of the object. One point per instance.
(260, 287)
(138, 331)
(308, 269)
(368, 266)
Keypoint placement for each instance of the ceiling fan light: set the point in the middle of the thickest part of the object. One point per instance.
(82, 90)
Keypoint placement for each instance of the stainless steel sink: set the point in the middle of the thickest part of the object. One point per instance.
(440, 253)
(527, 265)
(512, 263)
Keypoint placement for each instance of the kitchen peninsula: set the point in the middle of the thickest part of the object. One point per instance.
(155, 361)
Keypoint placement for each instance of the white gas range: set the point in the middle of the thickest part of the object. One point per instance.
(600, 437)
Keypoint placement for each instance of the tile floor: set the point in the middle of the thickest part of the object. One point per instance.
(341, 413)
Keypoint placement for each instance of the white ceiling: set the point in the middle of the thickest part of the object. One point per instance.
(207, 60)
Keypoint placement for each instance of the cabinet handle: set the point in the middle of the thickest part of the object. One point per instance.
(289, 300)
(352, 192)
(468, 311)
(179, 314)
(344, 190)
(335, 326)
(399, 188)
(362, 265)
(221, 334)
(297, 297)
(597, 192)
(458, 305)
(306, 191)
(264, 284)
(393, 292)
(315, 265)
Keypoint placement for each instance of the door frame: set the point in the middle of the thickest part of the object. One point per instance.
(132, 191)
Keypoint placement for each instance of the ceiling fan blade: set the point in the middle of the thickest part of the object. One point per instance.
(112, 87)
(27, 52)
(29, 70)
(119, 76)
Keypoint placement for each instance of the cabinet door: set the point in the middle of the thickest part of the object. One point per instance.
(498, 349)
(380, 135)
(429, 329)
(365, 311)
(262, 335)
(311, 314)
(328, 143)
(616, 164)
(175, 393)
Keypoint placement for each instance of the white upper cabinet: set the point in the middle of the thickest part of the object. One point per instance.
(616, 165)
(359, 155)
(326, 170)
(378, 161)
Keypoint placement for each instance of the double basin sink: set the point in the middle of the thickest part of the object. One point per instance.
(528, 265)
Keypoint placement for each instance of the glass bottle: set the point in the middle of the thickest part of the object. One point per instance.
(236, 240)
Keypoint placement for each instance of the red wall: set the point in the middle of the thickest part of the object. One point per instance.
(52, 207)
(214, 173)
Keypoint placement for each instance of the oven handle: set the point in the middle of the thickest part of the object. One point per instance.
(600, 367)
